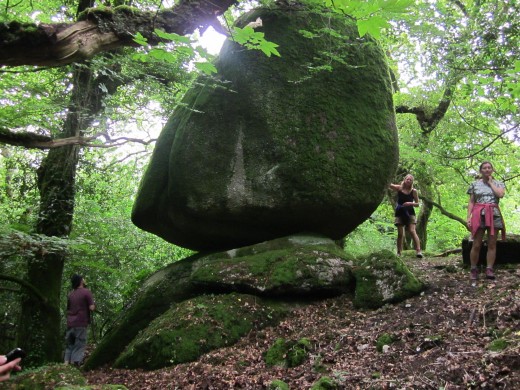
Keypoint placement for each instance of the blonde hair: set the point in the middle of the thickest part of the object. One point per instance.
(404, 180)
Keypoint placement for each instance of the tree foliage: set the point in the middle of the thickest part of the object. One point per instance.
(456, 103)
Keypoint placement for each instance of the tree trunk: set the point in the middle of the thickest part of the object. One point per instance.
(422, 224)
(40, 325)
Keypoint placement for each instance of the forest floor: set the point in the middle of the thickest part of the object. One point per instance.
(447, 338)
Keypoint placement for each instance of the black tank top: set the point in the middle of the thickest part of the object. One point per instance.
(403, 198)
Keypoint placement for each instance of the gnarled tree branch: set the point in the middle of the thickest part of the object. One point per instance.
(99, 30)
(428, 121)
(27, 286)
(36, 141)
(443, 210)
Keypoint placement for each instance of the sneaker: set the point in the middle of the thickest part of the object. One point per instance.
(474, 274)
(489, 273)
(398, 254)
(419, 255)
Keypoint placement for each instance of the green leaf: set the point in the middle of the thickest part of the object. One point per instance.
(138, 38)
(372, 26)
(141, 57)
(308, 34)
(396, 6)
(185, 50)
(269, 48)
(206, 67)
(243, 35)
(172, 37)
(255, 40)
(162, 55)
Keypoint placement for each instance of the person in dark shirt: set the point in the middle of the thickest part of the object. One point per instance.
(80, 304)
(407, 199)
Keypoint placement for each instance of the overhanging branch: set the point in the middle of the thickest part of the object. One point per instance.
(43, 142)
(442, 210)
(429, 119)
(99, 30)
(27, 286)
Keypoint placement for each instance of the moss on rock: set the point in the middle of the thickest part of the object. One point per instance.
(166, 324)
(278, 385)
(46, 377)
(196, 326)
(278, 150)
(294, 265)
(325, 383)
(384, 339)
(382, 278)
(498, 345)
(159, 291)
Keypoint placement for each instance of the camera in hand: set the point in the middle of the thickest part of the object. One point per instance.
(14, 354)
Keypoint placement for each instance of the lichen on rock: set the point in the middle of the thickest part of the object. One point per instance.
(294, 266)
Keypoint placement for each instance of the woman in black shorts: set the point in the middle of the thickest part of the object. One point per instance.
(407, 199)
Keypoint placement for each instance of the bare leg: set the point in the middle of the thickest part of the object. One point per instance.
(415, 237)
(491, 251)
(475, 248)
(400, 238)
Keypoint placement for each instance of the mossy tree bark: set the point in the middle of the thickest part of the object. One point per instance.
(40, 325)
(101, 29)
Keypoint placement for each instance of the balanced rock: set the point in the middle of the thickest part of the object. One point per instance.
(206, 302)
(297, 143)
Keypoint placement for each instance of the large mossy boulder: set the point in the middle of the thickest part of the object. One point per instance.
(291, 267)
(196, 326)
(299, 143)
(208, 301)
